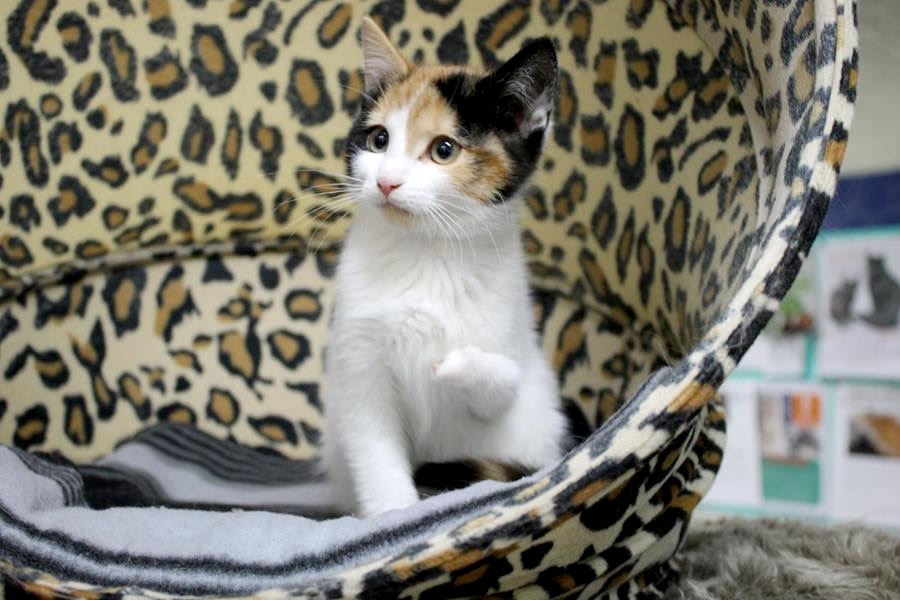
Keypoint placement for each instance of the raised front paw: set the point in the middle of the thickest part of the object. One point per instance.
(457, 365)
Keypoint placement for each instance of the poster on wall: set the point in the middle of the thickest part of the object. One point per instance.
(859, 306)
(792, 443)
(867, 468)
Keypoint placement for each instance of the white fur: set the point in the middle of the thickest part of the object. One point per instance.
(432, 354)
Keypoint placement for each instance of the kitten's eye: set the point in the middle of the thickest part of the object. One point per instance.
(444, 150)
(378, 139)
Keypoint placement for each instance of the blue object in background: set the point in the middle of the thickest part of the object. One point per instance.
(865, 201)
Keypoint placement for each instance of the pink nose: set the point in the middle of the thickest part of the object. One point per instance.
(387, 187)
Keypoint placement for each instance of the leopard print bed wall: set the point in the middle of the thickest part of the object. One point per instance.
(130, 135)
(164, 254)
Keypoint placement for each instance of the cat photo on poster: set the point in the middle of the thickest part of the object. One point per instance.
(859, 306)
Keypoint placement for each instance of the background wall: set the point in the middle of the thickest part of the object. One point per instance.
(814, 408)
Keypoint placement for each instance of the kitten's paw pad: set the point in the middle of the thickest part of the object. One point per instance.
(455, 366)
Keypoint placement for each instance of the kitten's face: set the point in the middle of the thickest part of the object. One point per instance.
(436, 147)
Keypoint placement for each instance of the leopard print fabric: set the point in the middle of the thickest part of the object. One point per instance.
(164, 254)
(645, 270)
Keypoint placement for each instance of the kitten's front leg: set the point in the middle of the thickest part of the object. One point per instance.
(370, 433)
(489, 380)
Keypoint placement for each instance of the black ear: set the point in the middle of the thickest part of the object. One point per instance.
(525, 87)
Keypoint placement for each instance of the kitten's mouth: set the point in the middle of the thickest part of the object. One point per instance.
(394, 213)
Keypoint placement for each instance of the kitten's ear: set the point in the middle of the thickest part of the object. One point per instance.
(526, 86)
(382, 63)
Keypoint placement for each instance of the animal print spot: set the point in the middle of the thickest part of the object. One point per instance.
(120, 59)
(86, 89)
(677, 226)
(603, 221)
(31, 427)
(79, 426)
(536, 203)
(241, 8)
(310, 146)
(571, 345)
(802, 83)
(122, 295)
(438, 7)
(110, 170)
(275, 429)
(198, 137)
(14, 252)
(255, 43)
(579, 23)
(55, 246)
(222, 407)
(388, 13)
(453, 48)
(177, 412)
(91, 355)
(595, 147)
(629, 148)
(97, 118)
(662, 152)
(153, 132)
(123, 7)
(712, 91)
(242, 207)
(799, 27)
(4, 74)
(711, 172)
(306, 93)
(174, 302)
(289, 348)
(566, 111)
(626, 242)
(164, 74)
(267, 140)
(646, 257)
(186, 360)
(211, 61)
(497, 28)
(22, 122)
(167, 167)
(64, 138)
(240, 355)
(303, 304)
(637, 12)
(335, 25)
(50, 105)
(688, 73)
(48, 365)
(23, 28)
(130, 391)
(159, 14)
(73, 301)
(605, 73)
(640, 67)
(531, 243)
(569, 197)
(23, 213)
(231, 144)
(283, 206)
(352, 85)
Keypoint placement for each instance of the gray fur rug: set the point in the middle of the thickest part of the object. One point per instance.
(769, 559)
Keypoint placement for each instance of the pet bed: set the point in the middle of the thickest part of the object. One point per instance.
(167, 251)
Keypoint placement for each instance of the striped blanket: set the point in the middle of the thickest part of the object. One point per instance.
(176, 510)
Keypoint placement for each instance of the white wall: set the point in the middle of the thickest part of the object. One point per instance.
(875, 134)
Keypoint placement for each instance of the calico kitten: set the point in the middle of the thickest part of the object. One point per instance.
(432, 354)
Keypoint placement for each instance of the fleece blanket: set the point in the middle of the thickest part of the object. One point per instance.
(134, 517)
